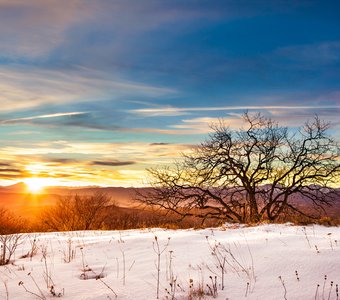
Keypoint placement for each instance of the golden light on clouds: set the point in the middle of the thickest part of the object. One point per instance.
(66, 163)
(36, 168)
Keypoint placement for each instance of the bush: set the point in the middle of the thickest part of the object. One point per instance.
(10, 226)
(9, 223)
(77, 212)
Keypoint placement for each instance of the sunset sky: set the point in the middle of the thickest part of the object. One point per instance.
(95, 92)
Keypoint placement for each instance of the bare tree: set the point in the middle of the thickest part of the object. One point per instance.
(250, 174)
(77, 212)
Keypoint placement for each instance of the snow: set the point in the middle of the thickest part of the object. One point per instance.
(254, 259)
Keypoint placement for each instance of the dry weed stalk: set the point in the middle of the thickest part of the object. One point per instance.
(219, 255)
(100, 277)
(33, 250)
(6, 289)
(224, 256)
(47, 271)
(159, 252)
(306, 236)
(70, 252)
(172, 278)
(85, 268)
(316, 296)
(284, 287)
(40, 295)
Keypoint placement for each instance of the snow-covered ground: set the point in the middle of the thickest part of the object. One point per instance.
(263, 262)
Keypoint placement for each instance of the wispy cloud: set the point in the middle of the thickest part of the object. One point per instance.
(10, 171)
(204, 125)
(4, 165)
(178, 111)
(112, 163)
(159, 144)
(285, 116)
(23, 88)
(26, 28)
(200, 124)
(36, 28)
(48, 116)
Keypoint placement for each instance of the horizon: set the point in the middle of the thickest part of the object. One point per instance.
(95, 93)
(67, 186)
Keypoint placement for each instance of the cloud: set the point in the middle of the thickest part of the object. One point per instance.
(108, 34)
(32, 29)
(10, 170)
(4, 165)
(85, 120)
(10, 176)
(48, 116)
(98, 121)
(45, 152)
(284, 115)
(112, 163)
(289, 115)
(178, 111)
(159, 144)
(60, 161)
(24, 88)
(21, 132)
(204, 125)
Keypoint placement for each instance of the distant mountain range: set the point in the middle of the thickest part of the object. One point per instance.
(18, 198)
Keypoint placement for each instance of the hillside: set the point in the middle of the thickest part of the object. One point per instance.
(264, 262)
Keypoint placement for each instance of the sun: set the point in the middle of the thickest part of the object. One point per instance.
(35, 185)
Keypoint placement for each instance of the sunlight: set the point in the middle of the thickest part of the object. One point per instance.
(37, 184)
(36, 169)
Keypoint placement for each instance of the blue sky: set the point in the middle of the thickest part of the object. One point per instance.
(94, 92)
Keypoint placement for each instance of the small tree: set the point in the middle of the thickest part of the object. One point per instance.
(77, 212)
(250, 174)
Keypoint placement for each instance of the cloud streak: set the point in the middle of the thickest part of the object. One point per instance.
(112, 163)
(48, 116)
(178, 111)
(24, 88)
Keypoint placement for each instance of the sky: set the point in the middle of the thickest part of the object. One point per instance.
(96, 92)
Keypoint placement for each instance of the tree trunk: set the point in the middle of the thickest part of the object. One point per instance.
(254, 216)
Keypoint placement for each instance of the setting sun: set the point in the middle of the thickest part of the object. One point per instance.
(35, 185)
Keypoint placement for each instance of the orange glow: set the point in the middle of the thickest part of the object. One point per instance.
(36, 184)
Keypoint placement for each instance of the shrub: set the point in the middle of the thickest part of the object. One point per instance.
(77, 212)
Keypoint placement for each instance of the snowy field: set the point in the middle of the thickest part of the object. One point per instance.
(264, 262)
